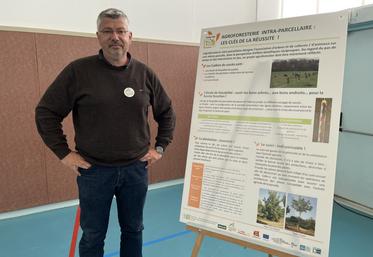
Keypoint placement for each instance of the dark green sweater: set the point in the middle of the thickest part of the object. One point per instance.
(111, 126)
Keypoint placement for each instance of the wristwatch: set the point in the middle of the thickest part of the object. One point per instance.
(159, 149)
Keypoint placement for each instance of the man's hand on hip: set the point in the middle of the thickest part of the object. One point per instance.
(151, 157)
(74, 161)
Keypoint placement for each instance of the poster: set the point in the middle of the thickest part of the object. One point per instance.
(264, 132)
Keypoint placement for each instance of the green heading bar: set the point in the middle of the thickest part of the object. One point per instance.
(254, 119)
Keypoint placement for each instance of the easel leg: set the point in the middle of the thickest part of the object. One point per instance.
(202, 233)
(197, 244)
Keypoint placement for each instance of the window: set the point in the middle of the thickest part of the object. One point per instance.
(336, 5)
(291, 8)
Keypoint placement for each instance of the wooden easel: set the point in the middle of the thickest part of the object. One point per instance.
(202, 233)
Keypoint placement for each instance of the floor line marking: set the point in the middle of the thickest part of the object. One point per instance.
(155, 241)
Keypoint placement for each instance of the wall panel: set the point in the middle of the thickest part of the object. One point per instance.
(176, 67)
(23, 182)
(139, 50)
(54, 52)
(31, 174)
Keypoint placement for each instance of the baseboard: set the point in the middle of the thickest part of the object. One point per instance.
(354, 205)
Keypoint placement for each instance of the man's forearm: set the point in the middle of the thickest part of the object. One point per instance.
(50, 129)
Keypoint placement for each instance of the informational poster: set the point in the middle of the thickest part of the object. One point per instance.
(264, 133)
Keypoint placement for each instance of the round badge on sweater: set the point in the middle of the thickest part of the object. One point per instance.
(129, 92)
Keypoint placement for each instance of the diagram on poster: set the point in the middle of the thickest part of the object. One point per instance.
(264, 132)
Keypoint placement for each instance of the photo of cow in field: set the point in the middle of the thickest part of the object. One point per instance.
(294, 73)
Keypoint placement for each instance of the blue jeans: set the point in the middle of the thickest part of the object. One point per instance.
(97, 186)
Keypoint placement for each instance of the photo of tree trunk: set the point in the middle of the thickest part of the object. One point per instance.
(321, 120)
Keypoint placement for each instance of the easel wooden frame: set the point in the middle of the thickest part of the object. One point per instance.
(202, 233)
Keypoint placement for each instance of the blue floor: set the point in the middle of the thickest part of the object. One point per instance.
(48, 234)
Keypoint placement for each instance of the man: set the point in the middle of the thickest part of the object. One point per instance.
(109, 95)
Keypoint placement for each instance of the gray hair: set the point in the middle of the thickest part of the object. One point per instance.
(111, 13)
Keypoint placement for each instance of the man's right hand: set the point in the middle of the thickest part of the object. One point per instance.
(74, 161)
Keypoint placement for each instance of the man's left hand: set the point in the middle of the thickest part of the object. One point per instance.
(151, 157)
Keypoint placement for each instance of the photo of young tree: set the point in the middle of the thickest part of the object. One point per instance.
(301, 214)
(294, 73)
(271, 208)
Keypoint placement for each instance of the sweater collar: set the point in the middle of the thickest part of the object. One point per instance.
(102, 58)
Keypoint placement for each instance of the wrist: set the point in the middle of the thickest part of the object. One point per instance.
(159, 150)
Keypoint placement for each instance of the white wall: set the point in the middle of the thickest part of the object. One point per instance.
(171, 20)
(67, 15)
(268, 9)
(214, 13)
(159, 19)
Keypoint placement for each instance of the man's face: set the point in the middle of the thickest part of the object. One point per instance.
(114, 37)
